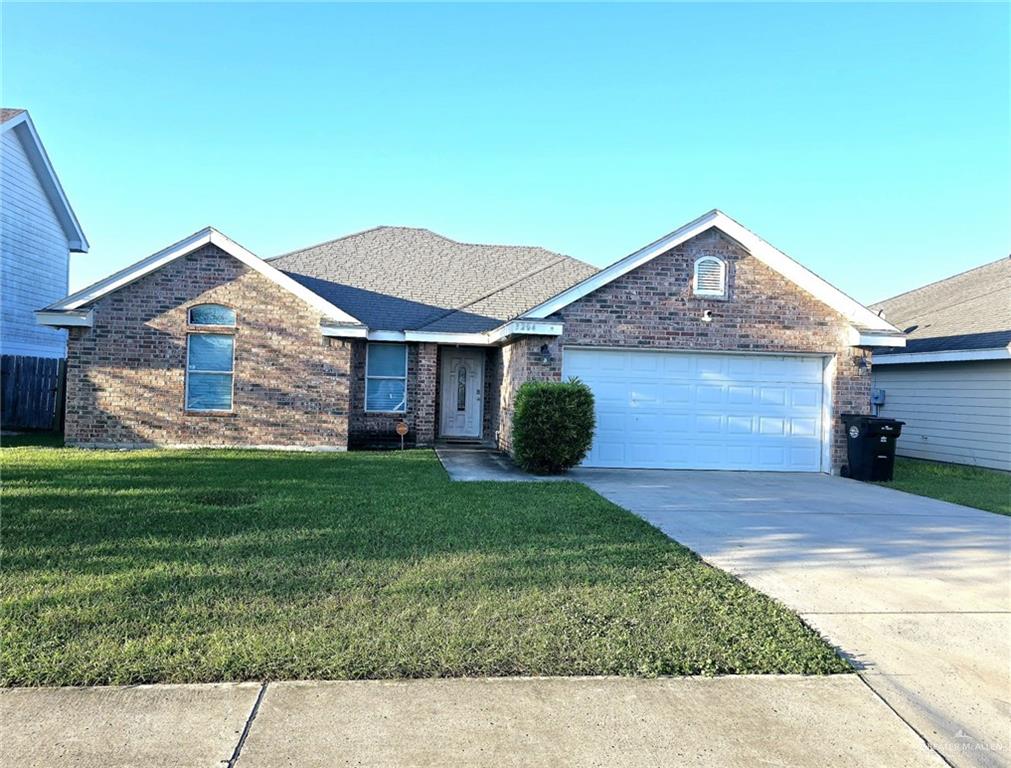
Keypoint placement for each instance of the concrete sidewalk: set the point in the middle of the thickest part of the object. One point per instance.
(696, 722)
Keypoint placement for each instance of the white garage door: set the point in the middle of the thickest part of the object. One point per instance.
(702, 411)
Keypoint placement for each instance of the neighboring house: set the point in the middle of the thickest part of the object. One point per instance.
(708, 348)
(38, 231)
(952, 382)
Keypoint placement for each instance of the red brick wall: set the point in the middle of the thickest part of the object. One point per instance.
(378, 429)
(492, 393)
(652, 307)
(125, 376)
(522, 360)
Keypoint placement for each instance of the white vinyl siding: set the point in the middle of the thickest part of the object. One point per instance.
(954, 412)
(681, 410)
(34, 256)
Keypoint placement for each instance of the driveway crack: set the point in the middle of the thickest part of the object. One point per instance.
(249, 722)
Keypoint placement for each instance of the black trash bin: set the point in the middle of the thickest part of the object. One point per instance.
(870, 443)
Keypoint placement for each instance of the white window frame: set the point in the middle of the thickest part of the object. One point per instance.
(230, 373)
(403, 378)
(189, 316)
(723, 278)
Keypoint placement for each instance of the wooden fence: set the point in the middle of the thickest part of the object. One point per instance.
(32, 392)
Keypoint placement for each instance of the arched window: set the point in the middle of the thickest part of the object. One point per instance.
(710, 277)
(212, 314)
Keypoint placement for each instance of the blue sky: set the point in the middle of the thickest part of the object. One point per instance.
(869, 142)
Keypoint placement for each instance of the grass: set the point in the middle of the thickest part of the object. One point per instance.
(187, 566)
(988, 489)
(36, 439)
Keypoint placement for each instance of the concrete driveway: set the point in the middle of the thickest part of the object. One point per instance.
(916, 592)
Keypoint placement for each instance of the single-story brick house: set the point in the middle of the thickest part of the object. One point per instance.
(707, 348)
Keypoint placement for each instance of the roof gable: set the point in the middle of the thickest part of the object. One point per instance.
(857, 314)
(20, 122)
(134, 272)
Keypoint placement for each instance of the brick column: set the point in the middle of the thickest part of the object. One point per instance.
(424, 419)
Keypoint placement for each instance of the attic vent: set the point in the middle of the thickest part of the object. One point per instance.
(710, 277)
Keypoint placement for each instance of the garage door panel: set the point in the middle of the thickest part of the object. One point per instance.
(739, 456)
(643, 454)
(710, 368)
(610, 420)
(740, 395)
(708, 423)
(741, 368)
(706, 455)
(772, 396)
(804, 427)
(771, 456)
(770, 425)
(708, 411)
(740, 425)
(643, 394)
(804, 457)
(674, 423)
(677, 366)
(609, 392)
(644, 362)
(709, 394)
(676, 394)
(805, 397)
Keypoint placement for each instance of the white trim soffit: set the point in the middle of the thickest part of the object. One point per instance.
(490, 338)
(851, 309)
(861, 338)
(343, 330)
(205, 236)
(24, 129)
(66, 318)
(948, 356)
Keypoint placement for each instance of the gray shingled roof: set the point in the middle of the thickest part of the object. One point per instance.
(400, 278)
(6, 113)
(971, 310)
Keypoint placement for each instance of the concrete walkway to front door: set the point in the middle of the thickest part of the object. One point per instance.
(916, 591)
(476, 463)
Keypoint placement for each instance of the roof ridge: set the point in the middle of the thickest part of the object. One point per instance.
(434, 234)
(525, 276)
(336, 240)
(507, 245)
(942, 280)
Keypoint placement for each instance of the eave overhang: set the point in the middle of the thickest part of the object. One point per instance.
(65, 318)
(946, 356)
(495, 337)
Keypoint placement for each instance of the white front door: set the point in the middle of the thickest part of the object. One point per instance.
(462, 390)
(682, 410)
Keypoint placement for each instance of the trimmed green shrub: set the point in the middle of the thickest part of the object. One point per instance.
(552, 425)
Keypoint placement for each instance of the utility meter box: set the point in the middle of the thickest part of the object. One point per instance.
(877, 397)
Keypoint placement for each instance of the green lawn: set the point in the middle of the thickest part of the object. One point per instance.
(35, 439)
(986, 489)
(172, 566)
